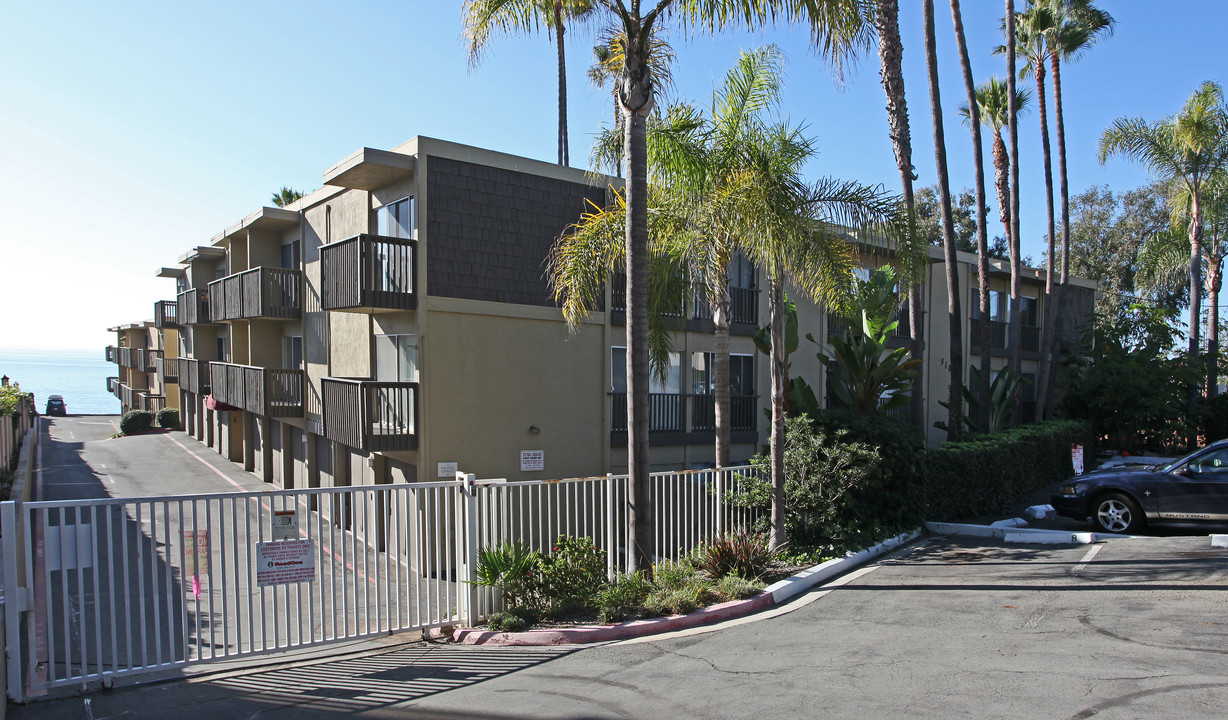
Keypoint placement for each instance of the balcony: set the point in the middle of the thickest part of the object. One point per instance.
(112, 354)
(113, 386)
(257, 293)
(166, 314)
(743, 305)
(703, 413)
(194, 307)
(126, 357)
(194, 376)
(371, 415)
(265, 391)
(146, 360)
(1029, 336)
(128, 396)
(151, 403)
(368, 273)
(837, 325)
(168, 370)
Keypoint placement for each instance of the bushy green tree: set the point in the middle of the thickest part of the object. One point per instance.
(1128, 380)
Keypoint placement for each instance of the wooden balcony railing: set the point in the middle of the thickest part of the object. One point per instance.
(166, 314)
(703, 412)
(112, 354)
(257, 293)
(151, 403)
(129, 397)
(126, 357)
(194, 375)
(168, 370)
(371, 415)
(369, 272)
(193, 307)
(270, 392)
(146, 359)
(113, 386)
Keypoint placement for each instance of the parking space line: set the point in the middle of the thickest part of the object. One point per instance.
(1087, 558)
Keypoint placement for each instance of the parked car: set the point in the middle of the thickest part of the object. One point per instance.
(1190, 490)
(56, 406)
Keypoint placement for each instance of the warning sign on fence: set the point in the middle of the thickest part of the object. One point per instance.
(284, 562)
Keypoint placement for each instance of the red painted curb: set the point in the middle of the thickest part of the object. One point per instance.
(622, 631)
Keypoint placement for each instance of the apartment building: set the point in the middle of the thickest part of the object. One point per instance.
(146, 355)
(396, 325)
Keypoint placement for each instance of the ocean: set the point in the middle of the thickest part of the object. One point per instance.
(79, 375)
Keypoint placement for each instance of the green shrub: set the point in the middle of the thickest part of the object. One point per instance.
(571, 575)
(512, 620)
(988, 473)
(740, 553)
(135, 421)
(168, 418)
(1213, 418)
(11, 398)
(623, 598)
(509, 567)
(732, 587)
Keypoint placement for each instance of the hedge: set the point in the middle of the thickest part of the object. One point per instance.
(135, 421)
(989, 473)
(168, 418)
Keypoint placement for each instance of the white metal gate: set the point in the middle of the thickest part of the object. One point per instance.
(100, 589)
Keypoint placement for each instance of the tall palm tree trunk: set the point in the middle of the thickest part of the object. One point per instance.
(720, 376)
(955, 417)
(1195, 286)
(559, 30)
(1215, 280)
(1002, 183)
(635, 94)
(1044, 372)
(1014, 339)
(890, 59)
(982, 242)
(1060, 129)
(779, 371)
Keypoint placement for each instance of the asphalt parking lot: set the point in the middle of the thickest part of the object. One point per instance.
(945, 628)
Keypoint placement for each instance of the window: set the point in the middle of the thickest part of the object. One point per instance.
(741, 374)
(290, 255)
(998, 301)
(222, 349)
(742, 273)
(396, 358)
(292, 352)
(1028, 311)
(396, 219)
(671, 385)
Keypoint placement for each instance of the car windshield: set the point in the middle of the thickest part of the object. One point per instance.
(1181, 461)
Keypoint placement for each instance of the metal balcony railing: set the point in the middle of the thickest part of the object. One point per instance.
(371, 415)
(369, 272)
(743, 303)
(741, 410)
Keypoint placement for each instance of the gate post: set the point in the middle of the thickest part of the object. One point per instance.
(468, 483)
(14, 599)
(611, 542)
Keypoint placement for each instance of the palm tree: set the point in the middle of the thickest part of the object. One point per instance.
(982, 242)
(993, 109)
(837, 27)
(1164, 257)
(1189, 148)
(890, 59)
(796, 233)
(484, 18)
(1076, 26)
(955, 422)
(285, 196)
(1014, 354)
(1032, 27)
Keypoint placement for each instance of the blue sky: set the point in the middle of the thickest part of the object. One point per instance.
(133, 131)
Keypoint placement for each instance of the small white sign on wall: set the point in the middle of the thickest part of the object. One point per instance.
(446, 470)
(532, 460)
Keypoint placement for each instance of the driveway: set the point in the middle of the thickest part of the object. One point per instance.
(945, 628)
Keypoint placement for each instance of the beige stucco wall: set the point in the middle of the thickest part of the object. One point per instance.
(489, 378)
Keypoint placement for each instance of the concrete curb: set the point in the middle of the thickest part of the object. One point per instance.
(1024, 535)
(776, 594)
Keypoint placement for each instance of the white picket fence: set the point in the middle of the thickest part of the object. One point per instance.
(122, 586)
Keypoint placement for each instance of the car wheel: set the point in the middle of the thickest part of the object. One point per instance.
(1116, 513)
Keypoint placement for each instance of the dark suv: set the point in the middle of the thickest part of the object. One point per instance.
(56, 406)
